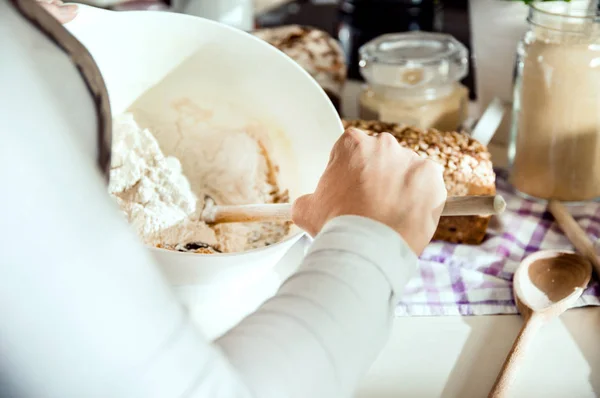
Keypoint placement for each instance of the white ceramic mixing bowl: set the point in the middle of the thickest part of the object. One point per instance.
(135, 51)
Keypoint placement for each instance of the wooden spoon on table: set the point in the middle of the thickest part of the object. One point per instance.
(575, 233)
(545, 285)
(455, 206)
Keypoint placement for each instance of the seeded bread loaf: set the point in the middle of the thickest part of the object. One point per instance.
(467, 171)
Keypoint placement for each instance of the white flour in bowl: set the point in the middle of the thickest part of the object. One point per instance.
(158, 201)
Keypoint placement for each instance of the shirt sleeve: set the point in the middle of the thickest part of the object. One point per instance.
(329, 320)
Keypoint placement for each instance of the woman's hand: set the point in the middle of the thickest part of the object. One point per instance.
(63, 12)
(375, 177)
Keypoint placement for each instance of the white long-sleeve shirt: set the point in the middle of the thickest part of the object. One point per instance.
(86, 312)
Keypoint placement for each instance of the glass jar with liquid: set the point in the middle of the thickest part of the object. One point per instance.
(414, 78)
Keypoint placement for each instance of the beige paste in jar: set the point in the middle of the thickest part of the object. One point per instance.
(558, 140)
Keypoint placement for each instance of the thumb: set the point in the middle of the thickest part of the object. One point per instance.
(301, 213)
(63, 12)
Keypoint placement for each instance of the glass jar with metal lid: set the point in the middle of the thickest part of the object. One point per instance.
(414, 78)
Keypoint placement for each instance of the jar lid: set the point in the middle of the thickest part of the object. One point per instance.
(413, 60)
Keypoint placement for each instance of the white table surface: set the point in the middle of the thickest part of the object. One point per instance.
(461, 356)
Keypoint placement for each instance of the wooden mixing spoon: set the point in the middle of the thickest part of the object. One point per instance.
(545, 285)
(575, 233)
(455, 206)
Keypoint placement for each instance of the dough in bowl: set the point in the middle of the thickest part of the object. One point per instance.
(232, 166)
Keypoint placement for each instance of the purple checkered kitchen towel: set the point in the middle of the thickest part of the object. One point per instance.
(477, 280)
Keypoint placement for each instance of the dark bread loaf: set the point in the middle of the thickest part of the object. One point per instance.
(467, 171)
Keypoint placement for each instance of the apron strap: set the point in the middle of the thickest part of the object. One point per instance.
(87, 67)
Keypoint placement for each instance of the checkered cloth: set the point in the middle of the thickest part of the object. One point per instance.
(477, 280)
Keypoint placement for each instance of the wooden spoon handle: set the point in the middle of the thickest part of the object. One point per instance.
(576, 235)
(249, 213)
(455, 206)
(474, 206)
(515, 356)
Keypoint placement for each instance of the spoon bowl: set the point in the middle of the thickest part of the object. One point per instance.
(549, 282)
(545, 285)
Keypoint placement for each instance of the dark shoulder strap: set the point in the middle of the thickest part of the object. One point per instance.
(87, 67)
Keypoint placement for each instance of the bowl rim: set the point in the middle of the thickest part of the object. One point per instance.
(267, 46)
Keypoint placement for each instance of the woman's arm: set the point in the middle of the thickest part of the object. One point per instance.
(324, 328)
(85, 311)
